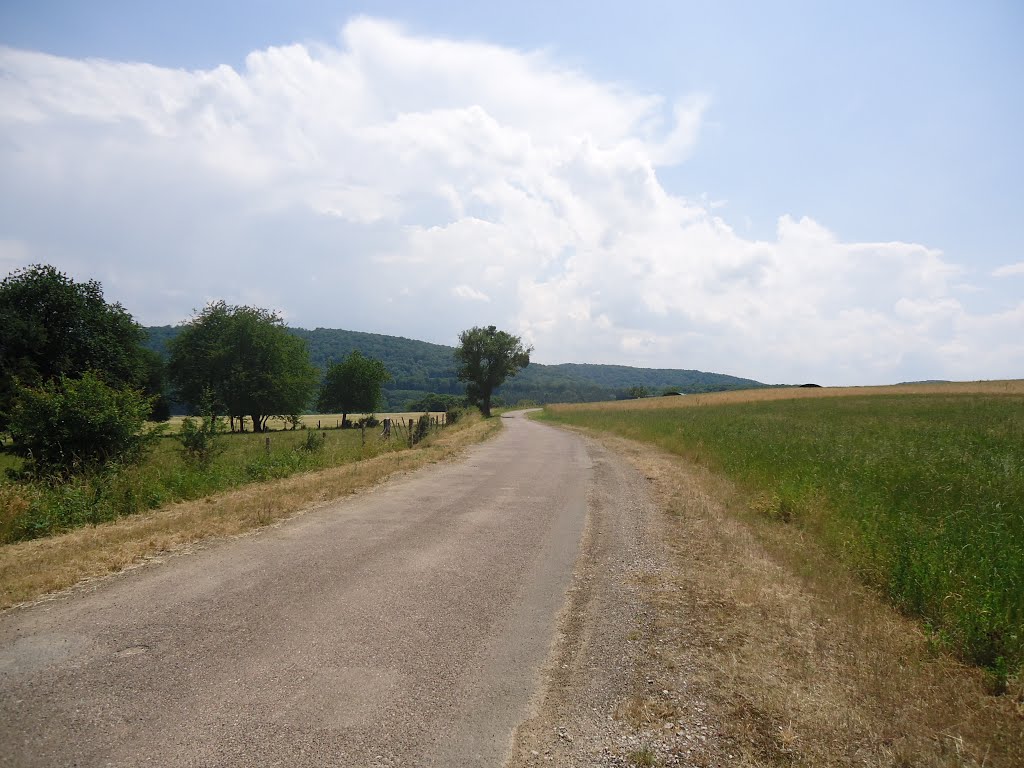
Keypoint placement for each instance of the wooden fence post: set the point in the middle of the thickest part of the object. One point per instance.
(267, 446)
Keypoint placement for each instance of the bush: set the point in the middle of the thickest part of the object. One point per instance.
(314, 442)
(199, 440)
(69, 426)
(422, 428)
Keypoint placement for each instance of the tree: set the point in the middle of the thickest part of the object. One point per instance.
(485, 358)
(73, 425)
(436, 403)
(246, 358)
(353, 385)
(53, 327)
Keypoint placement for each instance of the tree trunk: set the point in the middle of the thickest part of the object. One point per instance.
(485, 406)
(257, 423)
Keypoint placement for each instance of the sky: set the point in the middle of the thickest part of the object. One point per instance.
(786, 191)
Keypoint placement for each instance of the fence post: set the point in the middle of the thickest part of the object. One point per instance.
(362, 430)
(267, 446)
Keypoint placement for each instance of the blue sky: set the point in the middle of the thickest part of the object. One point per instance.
(846, 178)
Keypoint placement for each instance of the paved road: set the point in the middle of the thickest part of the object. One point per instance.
(406, 626)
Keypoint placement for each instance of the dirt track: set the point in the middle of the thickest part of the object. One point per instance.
(413, 625)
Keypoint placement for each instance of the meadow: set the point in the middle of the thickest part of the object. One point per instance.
(31, 510)
(919, 490)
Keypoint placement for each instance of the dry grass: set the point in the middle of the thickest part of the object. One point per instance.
(1008, 387)
(31, 569)
(795, 662)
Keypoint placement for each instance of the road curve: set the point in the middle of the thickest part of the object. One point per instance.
(407, 626)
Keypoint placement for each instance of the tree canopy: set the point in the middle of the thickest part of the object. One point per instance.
(245, 358)
(353, 385)
(486, 357)
(52, 326)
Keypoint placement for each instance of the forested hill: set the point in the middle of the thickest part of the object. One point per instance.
(419, 367)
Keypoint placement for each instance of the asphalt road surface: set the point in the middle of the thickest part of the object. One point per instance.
(407, 626)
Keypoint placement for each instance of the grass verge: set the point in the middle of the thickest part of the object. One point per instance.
(30, 569)
(920, 495)
(770, 644)
(35, 509)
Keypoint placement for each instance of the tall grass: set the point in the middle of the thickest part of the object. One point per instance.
(31, 510)
(923, 496)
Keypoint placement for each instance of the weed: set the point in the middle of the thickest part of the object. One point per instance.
(644, 757)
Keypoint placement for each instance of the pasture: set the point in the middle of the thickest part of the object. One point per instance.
(918, 489)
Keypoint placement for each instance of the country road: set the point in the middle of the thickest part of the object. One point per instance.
(414, 625)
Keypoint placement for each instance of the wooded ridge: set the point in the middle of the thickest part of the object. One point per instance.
(419, 368)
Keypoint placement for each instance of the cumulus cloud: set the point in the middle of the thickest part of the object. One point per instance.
(419, 186)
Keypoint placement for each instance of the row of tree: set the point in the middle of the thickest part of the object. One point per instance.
(243, 362)
(74, 371)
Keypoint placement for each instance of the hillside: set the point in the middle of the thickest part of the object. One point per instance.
(419, 367)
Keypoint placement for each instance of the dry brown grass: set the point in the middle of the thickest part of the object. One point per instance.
(1007, 387)
(795, 662)
(31, 569)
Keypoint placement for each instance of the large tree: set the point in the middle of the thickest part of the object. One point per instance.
(52, 326)
(353, 385)
(485, 358)
(245, 358)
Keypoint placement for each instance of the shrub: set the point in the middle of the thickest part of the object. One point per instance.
(314, 442)
(72, 425)
(199, 439)
(422, 428)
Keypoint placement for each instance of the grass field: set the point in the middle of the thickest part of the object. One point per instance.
(34, 510)
(919, 490)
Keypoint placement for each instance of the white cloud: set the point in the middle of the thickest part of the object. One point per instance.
(422, 179)
(1010, 269)
(468, 292)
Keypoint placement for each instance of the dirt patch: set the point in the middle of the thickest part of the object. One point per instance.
(738, 642)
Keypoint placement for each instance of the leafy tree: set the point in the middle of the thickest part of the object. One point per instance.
(247, 359)
(72, 425)
(485, 358)
(53, 327)
(435, 402)
(637, 392)
(353, 385)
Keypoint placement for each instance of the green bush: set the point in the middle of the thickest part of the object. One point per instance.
(69, 426)
(199, 440)
(314, 442)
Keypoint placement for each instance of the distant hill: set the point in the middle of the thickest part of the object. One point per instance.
(419, 367)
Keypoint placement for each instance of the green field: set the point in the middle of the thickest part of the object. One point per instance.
(31, 510)
(921, 495)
